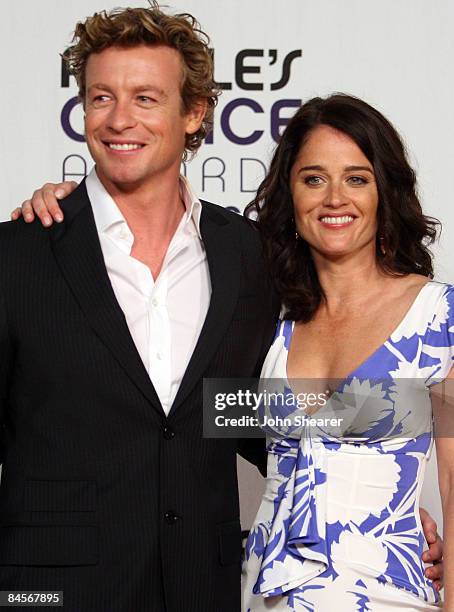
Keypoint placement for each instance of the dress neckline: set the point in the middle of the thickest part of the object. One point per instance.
(398, 327)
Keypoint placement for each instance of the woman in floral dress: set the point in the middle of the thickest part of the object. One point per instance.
(338, 527)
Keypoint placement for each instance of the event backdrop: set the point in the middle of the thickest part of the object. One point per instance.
(269, 55)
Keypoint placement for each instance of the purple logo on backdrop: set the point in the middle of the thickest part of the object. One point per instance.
(250, 67)
(66, 120)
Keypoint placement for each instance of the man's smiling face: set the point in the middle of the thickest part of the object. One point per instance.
(135, 123)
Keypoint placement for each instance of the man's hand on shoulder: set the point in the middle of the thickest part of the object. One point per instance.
(44, 203)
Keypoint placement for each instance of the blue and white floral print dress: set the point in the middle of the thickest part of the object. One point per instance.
(338, 528)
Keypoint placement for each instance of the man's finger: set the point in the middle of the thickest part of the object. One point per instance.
(436, 549)
(429, 526)
(435, 573)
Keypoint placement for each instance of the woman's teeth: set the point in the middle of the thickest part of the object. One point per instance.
(337, 220)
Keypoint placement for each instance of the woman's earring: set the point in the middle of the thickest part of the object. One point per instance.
(381, 240)
(297, 236)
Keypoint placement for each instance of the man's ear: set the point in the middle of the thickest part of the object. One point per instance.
(196, 115)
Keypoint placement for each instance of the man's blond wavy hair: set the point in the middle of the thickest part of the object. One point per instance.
(131, 27)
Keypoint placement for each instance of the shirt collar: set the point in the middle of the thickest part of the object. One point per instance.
(192, 204)
(108, 215)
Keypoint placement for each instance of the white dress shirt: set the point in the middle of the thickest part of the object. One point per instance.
(164, 316)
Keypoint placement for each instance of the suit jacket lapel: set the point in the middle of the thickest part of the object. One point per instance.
(222, 244)
(78, 253)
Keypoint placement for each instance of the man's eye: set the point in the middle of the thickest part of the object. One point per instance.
(312, 180)
(145, 99)
(101, 98)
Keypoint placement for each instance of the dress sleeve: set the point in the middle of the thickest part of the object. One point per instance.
(437, 357)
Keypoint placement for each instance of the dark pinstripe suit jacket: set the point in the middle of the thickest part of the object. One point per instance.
(101, 495)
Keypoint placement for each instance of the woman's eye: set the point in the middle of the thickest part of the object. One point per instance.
(312, 180)
(357, 180)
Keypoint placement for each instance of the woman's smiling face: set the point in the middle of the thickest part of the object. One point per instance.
(335, 194)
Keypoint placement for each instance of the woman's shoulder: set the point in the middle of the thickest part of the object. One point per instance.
(428, 293)
(434, 299)
(439, 292)
(284, 328)
(275, 364)
(441, 286)
(434, 312)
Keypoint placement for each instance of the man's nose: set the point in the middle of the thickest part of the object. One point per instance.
(121, 117)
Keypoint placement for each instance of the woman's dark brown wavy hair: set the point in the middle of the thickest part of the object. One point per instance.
(404, 232)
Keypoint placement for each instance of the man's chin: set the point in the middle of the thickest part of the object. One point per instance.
(124, 181)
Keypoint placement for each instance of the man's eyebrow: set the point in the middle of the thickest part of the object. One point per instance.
(98, 86)
(138, 88)
(153, 88)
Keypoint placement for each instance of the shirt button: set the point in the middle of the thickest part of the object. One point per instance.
(159, 356)
(168, 433)
(154, 302)
(171, 518)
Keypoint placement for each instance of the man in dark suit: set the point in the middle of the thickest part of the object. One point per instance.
(108, 323)
(109, 491)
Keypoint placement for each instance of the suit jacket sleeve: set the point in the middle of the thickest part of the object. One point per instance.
(5, 365)
(254, 449)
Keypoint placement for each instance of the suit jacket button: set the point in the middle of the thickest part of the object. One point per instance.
(171, 518)
(168, 433)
